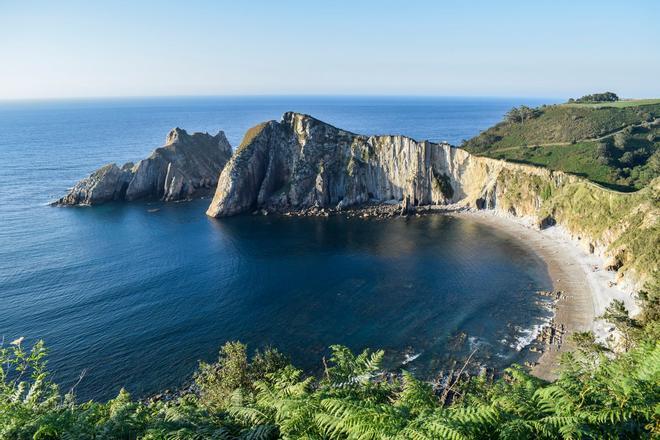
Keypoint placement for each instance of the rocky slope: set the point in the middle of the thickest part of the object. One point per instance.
(301, 162)
(187, 166)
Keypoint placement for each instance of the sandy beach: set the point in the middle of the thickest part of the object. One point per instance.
(586, 287)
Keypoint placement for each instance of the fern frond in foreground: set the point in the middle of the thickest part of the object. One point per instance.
(265, 397)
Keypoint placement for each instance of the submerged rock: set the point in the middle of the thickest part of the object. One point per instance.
(186, 167)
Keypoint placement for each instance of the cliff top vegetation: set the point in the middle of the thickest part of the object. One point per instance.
(615, 144)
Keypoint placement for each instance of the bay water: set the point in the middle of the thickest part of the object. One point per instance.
(136, 294)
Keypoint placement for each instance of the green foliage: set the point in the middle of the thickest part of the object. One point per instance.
(442, 183)
(217, 382)
(597, 97)
(601, 397)
(616, 104)
(624, 222)
(348, 369)
(522, 114)
(617, 314)
(613, 146)
(563, 124)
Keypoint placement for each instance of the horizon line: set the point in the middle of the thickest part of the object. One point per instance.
(274, 95)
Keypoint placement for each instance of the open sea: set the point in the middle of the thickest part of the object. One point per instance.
(136, 294)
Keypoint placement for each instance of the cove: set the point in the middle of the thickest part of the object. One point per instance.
(139, 293)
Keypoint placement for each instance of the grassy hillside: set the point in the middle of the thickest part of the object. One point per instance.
(619, 104)
(614, 144)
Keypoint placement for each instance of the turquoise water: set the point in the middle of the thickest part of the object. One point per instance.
(137, 294)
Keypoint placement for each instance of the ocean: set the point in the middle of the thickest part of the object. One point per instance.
(135, 295)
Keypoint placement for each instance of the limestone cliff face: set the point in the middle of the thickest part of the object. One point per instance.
(187, 166)
(301, 162)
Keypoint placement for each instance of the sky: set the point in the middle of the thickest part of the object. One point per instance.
(559, 49)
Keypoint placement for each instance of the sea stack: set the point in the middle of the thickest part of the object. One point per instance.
(186, 167)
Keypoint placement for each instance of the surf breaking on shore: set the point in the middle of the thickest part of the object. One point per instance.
(587, 288)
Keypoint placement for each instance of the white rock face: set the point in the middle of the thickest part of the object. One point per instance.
(302, 162)
(187, 166)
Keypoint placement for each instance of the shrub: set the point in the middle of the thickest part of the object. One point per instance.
(627, 159)
(620, 140)
(522, 114)
(598, 97)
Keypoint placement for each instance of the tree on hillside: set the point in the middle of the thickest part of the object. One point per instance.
(522, 114)
(597, 97)
(621, 139)
(604, 152)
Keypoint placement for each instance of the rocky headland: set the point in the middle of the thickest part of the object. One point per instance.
(303, 166)
(186, 167)
(300, 166)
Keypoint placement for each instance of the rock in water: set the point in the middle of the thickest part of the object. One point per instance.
(186, 167)
(406, 209)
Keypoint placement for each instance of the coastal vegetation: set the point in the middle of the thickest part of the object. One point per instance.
(597, 97)
(604, 390)
(616, 145)
(597, 396)
(623, 225)
(616, 104)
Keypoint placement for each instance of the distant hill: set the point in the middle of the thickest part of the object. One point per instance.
(615, 144)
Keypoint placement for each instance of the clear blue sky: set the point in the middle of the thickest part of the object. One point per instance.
(496, 48)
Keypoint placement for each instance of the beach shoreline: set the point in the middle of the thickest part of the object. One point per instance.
(575, 268)
(586, 287)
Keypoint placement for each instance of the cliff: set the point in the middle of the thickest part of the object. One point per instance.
(187, 166)
(301, 162)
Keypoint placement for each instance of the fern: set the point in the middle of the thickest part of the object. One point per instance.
(609, 399)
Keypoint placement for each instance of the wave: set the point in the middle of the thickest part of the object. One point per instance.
(411, 357)
(528, 335)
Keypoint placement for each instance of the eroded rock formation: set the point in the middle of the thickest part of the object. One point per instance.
(302, 162)
(186, 167)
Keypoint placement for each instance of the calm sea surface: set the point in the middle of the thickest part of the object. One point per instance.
(137, 294)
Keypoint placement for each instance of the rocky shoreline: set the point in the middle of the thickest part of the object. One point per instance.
(582, 285)
(570, 298)
(303, 167)
(374, 210)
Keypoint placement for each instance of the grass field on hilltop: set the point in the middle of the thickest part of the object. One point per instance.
(616, 104)
(615, 144)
